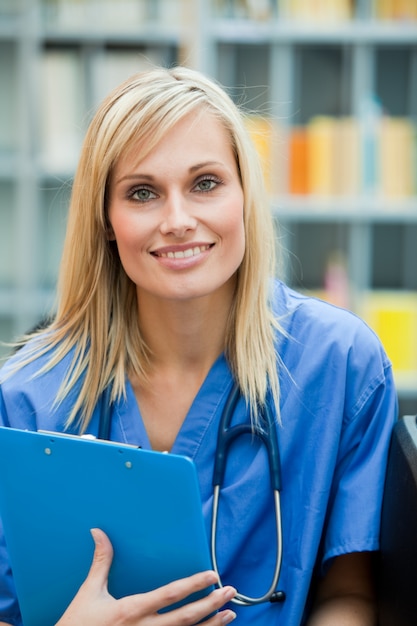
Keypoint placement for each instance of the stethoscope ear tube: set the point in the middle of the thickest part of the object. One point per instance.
(225, 436)
(105, 415)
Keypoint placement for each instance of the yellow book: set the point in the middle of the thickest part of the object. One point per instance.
(316, 10)
(263, 133)
(383, 9)
(346, 161)
(321, 136)
(396, 157)
(393, 316)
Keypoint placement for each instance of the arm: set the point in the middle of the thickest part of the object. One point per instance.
(346, 595)
(94, 606)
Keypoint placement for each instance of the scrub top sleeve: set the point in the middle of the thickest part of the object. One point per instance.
(353, 519)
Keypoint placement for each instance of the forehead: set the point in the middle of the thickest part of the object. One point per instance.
(198, 135)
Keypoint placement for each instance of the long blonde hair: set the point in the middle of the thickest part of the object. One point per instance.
(96, 315)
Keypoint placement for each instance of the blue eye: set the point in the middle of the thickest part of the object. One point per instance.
(207, 184)
(142, 194)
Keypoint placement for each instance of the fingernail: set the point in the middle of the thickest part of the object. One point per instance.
(96, 536)
(229, 593)
(228, 617)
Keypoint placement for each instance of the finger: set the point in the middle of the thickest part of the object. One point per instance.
(194, 612)
(176, 591)
(221, 618)
(102, 559)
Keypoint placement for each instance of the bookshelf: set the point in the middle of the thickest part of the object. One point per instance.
(341, 90)
(343, 81)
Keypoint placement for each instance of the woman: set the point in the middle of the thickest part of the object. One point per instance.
(166, 297)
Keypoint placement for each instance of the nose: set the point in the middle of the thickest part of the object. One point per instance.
(177, 217)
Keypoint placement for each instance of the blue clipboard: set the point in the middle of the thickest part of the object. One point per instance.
(54, 488)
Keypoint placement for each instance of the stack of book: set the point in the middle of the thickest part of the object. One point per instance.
(342, 156)
(337, 156)
(403, 10)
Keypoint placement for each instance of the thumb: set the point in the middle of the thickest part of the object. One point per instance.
(102, 558)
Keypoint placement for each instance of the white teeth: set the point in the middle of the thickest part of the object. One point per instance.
(182, 254)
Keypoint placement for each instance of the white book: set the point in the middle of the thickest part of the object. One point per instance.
(8, 99)
(7, 234)
(62, 110)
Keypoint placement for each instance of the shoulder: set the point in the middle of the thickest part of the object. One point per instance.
(26, 362)
(312, 321)
(29, 383)
(330, 353)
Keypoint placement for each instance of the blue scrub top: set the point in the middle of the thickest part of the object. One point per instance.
(338, 406)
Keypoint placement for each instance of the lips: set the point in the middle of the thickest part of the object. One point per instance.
(182, 254)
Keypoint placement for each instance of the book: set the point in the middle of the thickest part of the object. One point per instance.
(346, 158)
(370, 114)
(316, 10)
(321, 150)
(7, 235)
(8, 99)
(392, 314)
(264, 134)
(62, 123)
(397, 157)
(298, 161)
(402, 10)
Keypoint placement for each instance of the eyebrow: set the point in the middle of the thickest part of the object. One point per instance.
(149, 177)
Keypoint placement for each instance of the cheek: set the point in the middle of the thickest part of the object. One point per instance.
(126, 230)
(234, 231)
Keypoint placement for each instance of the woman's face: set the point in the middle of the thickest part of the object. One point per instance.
(177, 215)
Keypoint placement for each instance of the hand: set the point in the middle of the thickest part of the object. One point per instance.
(94, 606)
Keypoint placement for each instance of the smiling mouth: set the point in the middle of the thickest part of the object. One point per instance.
(182, 254)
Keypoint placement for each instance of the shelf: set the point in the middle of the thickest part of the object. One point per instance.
(358, 209)
(354, 32)
(406, 384)
(141, 37)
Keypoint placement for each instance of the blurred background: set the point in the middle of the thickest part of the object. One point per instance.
(330, 90)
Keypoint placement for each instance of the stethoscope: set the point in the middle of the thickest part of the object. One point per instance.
(265, 430)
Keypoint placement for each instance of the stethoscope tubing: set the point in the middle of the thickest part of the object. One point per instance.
(227, 434)
(241, 598)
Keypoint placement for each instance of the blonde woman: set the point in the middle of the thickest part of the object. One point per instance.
(166, 296)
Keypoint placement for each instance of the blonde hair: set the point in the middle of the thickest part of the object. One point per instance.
(96, 314)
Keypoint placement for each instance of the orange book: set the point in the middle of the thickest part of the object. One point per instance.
(298, 161)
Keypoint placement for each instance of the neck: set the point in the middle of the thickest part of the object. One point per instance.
(185, 334)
